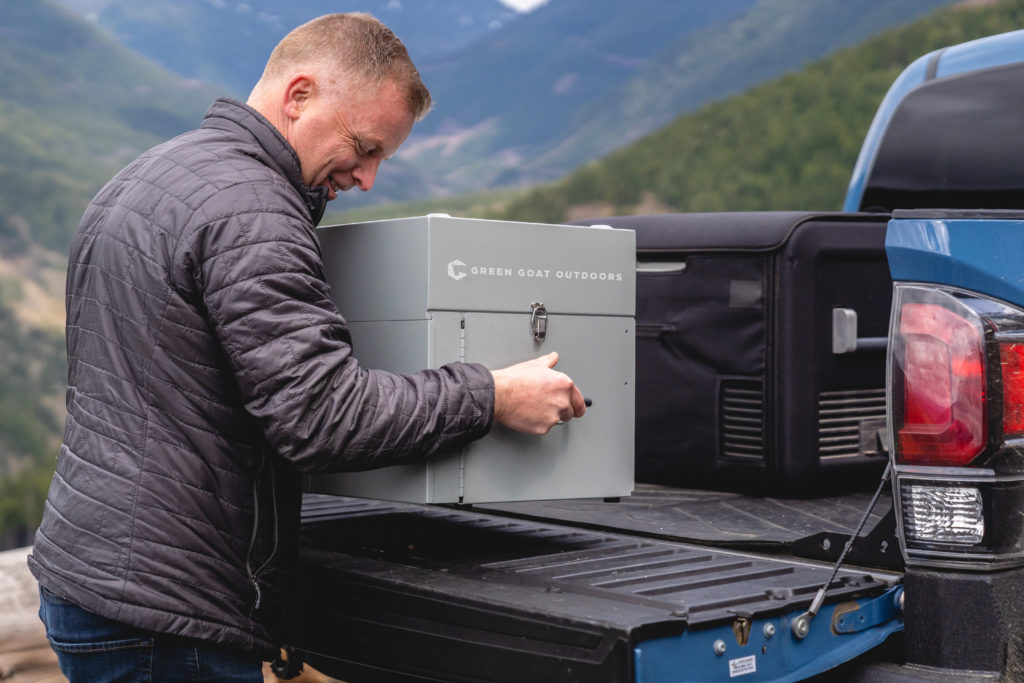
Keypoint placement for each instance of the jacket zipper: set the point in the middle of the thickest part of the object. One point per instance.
(255, 573)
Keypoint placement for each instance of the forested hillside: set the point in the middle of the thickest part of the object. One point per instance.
(74, 107)
(789, 144)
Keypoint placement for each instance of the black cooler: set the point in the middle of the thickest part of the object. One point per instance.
(760, 348)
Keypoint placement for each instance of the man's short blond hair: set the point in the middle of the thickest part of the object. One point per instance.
(353, 46)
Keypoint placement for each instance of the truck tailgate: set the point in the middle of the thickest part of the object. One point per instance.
(399, 591)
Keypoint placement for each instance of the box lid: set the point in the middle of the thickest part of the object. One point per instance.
(402, 268)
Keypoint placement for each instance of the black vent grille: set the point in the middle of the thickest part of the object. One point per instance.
(851, 423)
(742, 419)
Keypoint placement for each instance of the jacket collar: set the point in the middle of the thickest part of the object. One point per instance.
(228, 114)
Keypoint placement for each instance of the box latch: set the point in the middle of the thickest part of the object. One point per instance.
(539, 321)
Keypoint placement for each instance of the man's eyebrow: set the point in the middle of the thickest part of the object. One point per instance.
(368, 143)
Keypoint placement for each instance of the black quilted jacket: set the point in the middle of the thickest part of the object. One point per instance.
(208, 368)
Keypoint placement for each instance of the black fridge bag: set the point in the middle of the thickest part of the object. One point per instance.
(738, 380)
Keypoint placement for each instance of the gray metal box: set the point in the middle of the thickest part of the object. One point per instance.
(422, 292)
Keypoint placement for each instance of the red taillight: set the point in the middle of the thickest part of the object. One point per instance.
(944, 419)
(1011, 357)
(955, 366)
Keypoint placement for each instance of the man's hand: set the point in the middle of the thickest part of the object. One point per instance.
(532, 397)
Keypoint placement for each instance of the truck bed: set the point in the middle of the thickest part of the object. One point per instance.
(815, 527)
(568, 590)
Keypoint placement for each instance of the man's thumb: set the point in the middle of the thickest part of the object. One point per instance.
(549, 360)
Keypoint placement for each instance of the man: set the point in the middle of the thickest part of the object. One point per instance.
(208, 369)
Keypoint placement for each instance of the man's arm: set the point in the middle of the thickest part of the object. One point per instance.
(263, 290)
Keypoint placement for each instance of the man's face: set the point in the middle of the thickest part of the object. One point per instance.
(341, 139)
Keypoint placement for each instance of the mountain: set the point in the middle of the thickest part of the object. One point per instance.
(502, 100)
(772, 38)
(522, 99)
(788, 144)
(227, 42)
(576, 79)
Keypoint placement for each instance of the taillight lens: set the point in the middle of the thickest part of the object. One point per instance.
(1011, 359)
(944, 419)
(956, 405)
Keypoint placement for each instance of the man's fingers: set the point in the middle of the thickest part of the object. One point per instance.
(532, 396)
(579, 404)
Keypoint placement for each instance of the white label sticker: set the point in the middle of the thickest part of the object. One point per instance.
(742, 666)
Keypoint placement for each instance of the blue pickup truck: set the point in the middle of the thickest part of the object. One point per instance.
(895, 553)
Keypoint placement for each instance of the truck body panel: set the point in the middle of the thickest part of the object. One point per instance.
(981, 251)
(946, 134)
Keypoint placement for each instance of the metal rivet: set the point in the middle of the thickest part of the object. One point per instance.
(719, 647)
(768, 630)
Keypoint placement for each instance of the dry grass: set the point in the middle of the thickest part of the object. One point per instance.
(39, 274)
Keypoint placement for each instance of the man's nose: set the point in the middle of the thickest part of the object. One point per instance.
(365, 174)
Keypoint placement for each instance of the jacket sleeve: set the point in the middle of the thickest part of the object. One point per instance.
(261, 280)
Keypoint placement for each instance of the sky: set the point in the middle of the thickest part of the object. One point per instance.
(523, 5)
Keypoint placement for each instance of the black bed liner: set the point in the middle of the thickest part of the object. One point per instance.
(433, 593)
(814, 528)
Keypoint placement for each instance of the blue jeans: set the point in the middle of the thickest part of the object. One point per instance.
(92, 648)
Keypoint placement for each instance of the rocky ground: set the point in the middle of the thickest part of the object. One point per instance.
(25, 656)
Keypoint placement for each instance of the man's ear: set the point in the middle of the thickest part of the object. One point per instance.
(299, 91)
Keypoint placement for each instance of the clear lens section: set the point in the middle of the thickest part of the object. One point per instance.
(943, 514)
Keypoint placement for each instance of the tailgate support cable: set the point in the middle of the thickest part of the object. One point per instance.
(802, 624)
